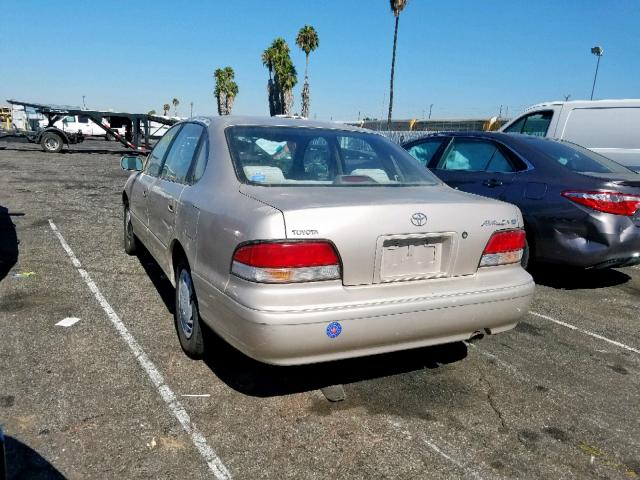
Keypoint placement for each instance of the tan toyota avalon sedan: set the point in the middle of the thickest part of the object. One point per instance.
(301, 242)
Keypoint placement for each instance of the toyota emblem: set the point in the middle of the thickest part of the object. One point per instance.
(418, 219)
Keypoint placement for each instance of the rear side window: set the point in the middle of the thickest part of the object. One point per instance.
(424, 151)
(474, 156)
(536, 124)
(154, 160)
(579, 159)
(176, 166)
(201, 160)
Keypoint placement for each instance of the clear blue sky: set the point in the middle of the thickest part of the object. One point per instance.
(467, 57)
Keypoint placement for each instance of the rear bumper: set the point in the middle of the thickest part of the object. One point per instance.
(599, 240)
(384, 324)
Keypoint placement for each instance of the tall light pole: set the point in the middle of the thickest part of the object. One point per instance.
(430, 108)
(598, 52)
(191, 103)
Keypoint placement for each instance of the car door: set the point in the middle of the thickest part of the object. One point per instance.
(85, 125)
(475, 165)
(70, 124)
(165, 192)
(138, 202)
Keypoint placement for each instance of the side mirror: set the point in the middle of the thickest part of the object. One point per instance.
(131, 162)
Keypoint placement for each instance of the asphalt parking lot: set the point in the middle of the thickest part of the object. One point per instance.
(113, 395)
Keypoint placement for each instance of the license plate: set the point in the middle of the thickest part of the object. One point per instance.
(403, 259)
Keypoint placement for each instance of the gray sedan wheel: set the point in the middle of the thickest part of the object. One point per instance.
(130, 241)
(186, 315)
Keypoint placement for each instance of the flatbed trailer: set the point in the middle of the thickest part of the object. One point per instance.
(52, 139)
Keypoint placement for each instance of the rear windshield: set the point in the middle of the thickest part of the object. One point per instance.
(299, 156)
(579, 159)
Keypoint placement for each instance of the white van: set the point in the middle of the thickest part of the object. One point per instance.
(608, 127)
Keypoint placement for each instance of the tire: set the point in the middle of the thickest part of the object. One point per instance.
(130, 240)
(51, 142)
(186, 314)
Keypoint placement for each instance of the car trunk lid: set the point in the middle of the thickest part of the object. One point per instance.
(388, 234)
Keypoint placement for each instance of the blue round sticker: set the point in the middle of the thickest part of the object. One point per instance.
(334, 329)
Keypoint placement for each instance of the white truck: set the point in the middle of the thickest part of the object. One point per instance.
(608, 127)
(82, 123)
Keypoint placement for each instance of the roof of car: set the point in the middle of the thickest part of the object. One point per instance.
(593, 103)
(223, 121)
(477, 134)
(506, 138)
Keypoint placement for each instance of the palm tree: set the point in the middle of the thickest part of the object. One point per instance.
(175, 102)
(232, 89)
(285, 76)
(165, 108)
(308, 41)
(220, 90)
(267, 60)
(396, 7)
(226, 89)
(282, 77)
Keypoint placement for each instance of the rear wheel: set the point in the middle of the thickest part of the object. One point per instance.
(130, 241)
(186, 314)
(51, 142)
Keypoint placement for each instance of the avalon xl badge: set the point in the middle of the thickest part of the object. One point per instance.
(418, 219)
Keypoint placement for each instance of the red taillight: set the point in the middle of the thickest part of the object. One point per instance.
(503, 247)
(608, 202)
(506, 241)
(283, 262)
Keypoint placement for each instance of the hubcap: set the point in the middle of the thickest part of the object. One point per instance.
(185, 303)
(51, 143)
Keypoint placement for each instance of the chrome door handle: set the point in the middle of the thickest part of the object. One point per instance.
(170, 207)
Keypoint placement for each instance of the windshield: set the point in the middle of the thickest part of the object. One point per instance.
(580, 159)
(299, 156)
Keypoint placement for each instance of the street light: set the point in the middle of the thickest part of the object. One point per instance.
(598, 52)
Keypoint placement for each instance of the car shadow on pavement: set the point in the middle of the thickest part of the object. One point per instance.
(66, 151)
(23, 462)
(257, 379)
(8, 243)
(157, 277)
(568, 278)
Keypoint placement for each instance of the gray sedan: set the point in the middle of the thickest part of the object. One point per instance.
(300, 242)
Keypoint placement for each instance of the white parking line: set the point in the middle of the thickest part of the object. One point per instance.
(213, 461)
(468, 472)
(507, 366)
(587, 332)
(434, 447)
